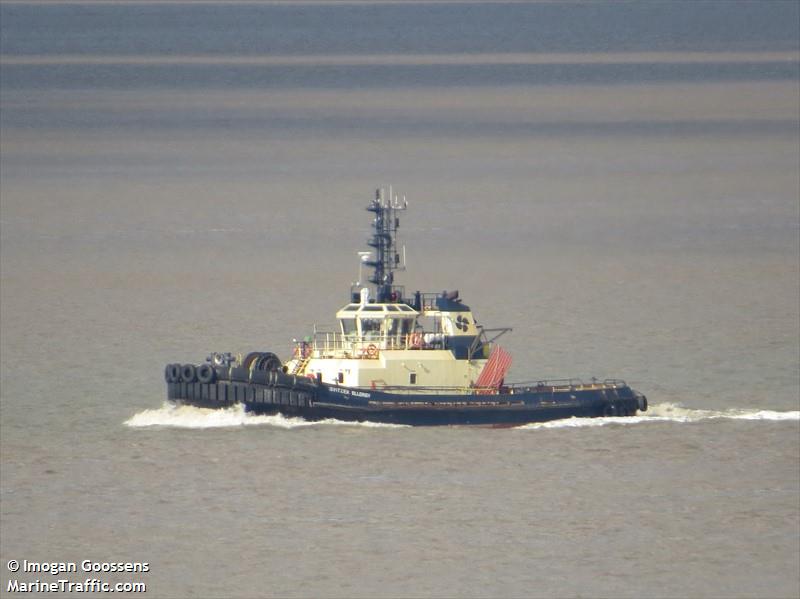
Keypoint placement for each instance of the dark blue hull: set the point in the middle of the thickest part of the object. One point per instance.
(274, 392)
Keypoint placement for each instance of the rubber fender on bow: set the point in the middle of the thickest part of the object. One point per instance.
(172, 373)
(262, 361)
(188, 373)
(205, 373)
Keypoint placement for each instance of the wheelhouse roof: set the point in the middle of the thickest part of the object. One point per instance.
(376, 311)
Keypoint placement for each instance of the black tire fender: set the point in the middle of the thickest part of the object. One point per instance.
(205, 373)
(172, 373)
(188, 373)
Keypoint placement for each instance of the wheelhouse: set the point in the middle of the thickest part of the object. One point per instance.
(386, 325)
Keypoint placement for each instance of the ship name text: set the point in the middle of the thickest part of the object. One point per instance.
(351, 392)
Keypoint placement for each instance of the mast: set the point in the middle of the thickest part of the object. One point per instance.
(383, 240)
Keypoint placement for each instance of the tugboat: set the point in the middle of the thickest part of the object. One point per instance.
(416, 359)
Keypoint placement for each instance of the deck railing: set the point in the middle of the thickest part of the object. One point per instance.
(543, 386)
(567, 384)
(369, 346)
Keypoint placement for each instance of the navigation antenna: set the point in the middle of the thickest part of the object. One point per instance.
(383, 240)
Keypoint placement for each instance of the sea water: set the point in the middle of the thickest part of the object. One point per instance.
(618, 182)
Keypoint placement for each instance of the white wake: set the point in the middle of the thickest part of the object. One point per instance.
(181, 416)
(670, 412)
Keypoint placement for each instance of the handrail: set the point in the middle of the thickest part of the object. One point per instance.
(327, 342)
(558, 384)
(432, 390)
(573, 383)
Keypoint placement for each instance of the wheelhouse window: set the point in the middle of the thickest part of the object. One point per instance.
(393, 327)
(349, 326)
(407, 326)
(371, 327)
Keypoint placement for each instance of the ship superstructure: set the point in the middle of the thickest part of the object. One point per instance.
(425, 343)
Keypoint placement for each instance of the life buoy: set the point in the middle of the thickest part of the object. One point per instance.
(415, 340)
(372, 351)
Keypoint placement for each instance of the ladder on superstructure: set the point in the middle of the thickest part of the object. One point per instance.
(300, 367)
